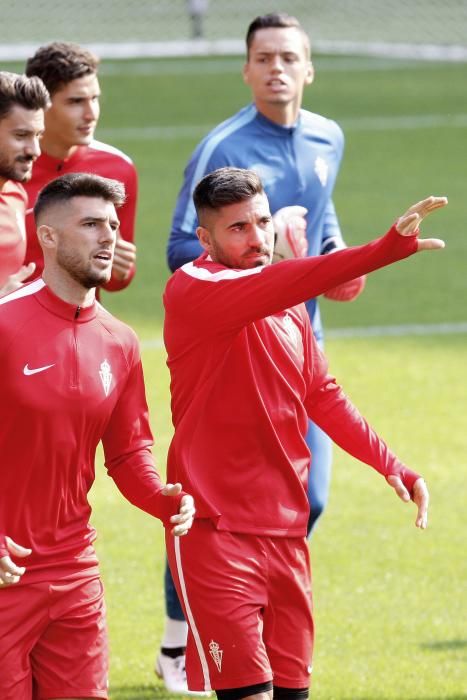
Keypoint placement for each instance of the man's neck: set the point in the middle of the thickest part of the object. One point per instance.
(56, 150)
(282, 114)
(3, 182)
(68, 289)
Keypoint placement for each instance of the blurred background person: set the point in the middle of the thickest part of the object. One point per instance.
(197, 10)
(22, 104)
(69, 72)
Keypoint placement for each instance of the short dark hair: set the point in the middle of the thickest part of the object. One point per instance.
(226, 186)
(15, 89)
(274, 20)
(66, 187)
(61, 62)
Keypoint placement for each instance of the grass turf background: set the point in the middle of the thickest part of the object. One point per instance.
(390, 600)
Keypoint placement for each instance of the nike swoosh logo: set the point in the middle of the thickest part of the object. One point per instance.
(28, 371)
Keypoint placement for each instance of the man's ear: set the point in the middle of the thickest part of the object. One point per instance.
(310, 75)
(245, 73)
(47, 236)
(204, 237)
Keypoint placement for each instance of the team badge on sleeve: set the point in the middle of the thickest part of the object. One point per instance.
(106, 376)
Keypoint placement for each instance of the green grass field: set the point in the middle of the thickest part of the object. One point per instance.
(390, 601)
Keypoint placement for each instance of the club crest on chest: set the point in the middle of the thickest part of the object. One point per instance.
(105, 373)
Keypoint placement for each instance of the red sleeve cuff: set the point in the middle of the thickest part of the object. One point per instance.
(163, 507)
(115, 285)
(407, 476)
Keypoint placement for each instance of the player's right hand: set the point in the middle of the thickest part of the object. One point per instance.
(9, 572)
(409, 223)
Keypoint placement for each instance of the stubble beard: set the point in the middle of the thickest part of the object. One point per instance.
(8, 171)
(81, 271)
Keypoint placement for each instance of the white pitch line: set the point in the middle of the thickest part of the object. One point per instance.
(399, 331)
(156, 133)
(228, 47)
(221, 66)
(377, 123)
(403, 330)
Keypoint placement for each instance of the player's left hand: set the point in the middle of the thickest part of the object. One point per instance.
(421, 498)
(347, 291)
(10, 572)
(18, 279)
(409, 223)
(186, 513)
(124, 258)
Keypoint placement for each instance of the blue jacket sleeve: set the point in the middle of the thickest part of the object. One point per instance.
(332, 236)
(183, 245)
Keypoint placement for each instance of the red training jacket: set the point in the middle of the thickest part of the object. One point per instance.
(70, 378)
(13, 201)
(246, 374)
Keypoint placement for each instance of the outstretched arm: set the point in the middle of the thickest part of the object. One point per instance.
(329, 407)
(291, 241)
(407, 225)
(224, 299)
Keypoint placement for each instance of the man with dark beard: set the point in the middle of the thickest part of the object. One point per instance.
(246, 374)
(71, 377)
(22, 104)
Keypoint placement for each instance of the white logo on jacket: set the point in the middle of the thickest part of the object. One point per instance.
(322, 170)
(216, 654)
(106, 376)
(28, 371)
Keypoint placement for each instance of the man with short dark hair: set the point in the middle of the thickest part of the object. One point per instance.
(246, 375)
(22, 104)
(70, 73)
(71, 377)
(297, 154)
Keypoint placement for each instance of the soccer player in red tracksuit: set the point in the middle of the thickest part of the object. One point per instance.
(22, 104)
(246, 374)
(71, 377)
(68, 146)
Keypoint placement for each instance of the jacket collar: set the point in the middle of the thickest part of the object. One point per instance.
(59, 307)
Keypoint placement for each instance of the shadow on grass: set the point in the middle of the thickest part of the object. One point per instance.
(445, 645)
